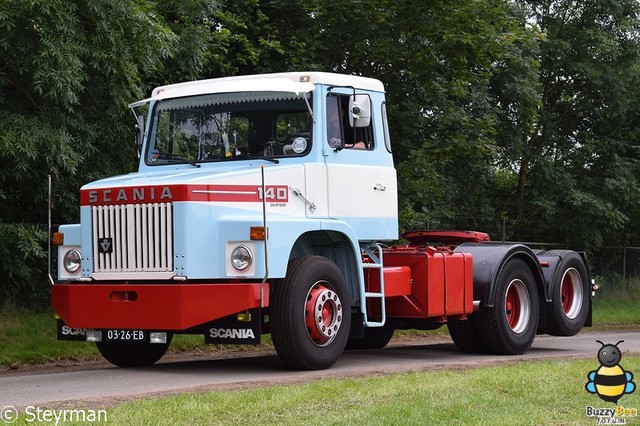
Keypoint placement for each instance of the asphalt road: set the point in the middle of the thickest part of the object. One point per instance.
(105, 384)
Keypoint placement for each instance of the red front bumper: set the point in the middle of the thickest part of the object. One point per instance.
(152, 306)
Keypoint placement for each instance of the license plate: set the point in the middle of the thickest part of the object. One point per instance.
(125, 335)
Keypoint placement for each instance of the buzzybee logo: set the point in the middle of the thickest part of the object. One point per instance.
(610, 381)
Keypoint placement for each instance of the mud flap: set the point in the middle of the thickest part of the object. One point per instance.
(235, 329)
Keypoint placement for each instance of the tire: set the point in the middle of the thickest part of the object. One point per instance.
(310, 314)
(569, 307)
(464, 334)
(125, 354)
(374, 338)
(509, 327)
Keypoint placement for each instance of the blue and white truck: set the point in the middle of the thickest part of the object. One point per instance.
(268, 204)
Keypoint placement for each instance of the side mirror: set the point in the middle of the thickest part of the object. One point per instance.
(359, 110)
(139, 129)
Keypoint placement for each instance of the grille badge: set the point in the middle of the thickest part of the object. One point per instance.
(105, 245)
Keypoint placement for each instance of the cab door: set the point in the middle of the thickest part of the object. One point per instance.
(361, 179)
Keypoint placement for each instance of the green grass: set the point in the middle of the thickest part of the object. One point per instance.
(538, 393)
(30, 337)
(617, 304)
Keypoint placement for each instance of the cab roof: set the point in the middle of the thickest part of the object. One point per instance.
(295, 82)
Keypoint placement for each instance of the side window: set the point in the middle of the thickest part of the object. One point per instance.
(340, 133)
(385, 126)
(334, 122)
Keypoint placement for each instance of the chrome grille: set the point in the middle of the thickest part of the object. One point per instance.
(134, 238)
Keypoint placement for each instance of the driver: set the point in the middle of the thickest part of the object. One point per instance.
(334, 129)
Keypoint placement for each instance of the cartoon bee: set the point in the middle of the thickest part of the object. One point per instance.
(610, 381)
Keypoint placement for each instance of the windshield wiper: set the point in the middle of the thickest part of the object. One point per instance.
(251, 157)
(179, 159)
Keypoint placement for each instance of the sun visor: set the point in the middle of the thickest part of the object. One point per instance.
(222, 86)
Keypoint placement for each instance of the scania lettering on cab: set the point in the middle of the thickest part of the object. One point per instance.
(268, 204)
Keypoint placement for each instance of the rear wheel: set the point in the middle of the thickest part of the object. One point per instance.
(310, 314)
(510, 326)
(569, 307)
(126, 354)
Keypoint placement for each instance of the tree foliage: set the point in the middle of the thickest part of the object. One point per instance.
(577, 163)
(437, 60)
(67, 69)
(524, 110)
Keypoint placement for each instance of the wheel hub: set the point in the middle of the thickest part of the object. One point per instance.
(571, 293)
(517, 306)
(323, 314)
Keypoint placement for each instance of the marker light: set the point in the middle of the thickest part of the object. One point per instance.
(241, 258)
(57, 238)
(258, 233)
(243, 316)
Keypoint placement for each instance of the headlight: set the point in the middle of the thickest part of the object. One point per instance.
(72, 260)
(241, 258)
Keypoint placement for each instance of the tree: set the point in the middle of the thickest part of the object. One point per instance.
(437, 60)
(576, 162)
(68, 70)
(525, 109)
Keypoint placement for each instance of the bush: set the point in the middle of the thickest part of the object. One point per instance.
(23, 270)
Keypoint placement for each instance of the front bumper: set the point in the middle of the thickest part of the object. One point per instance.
(153, 306)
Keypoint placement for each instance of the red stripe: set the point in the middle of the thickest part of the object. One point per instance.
(173, 193)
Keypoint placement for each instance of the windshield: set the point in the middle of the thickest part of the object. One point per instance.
(229, 126)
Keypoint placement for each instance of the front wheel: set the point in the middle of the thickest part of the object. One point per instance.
(310, 313)
(509, 327)
(125, 354)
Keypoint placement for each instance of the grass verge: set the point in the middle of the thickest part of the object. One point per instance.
(538, 393)
(617, 304)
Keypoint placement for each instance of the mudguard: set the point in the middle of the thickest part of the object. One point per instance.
(488, 261)
(549, 272)
(551, 263)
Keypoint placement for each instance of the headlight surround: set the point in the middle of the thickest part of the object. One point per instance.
(241, 258)
(72, 261)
